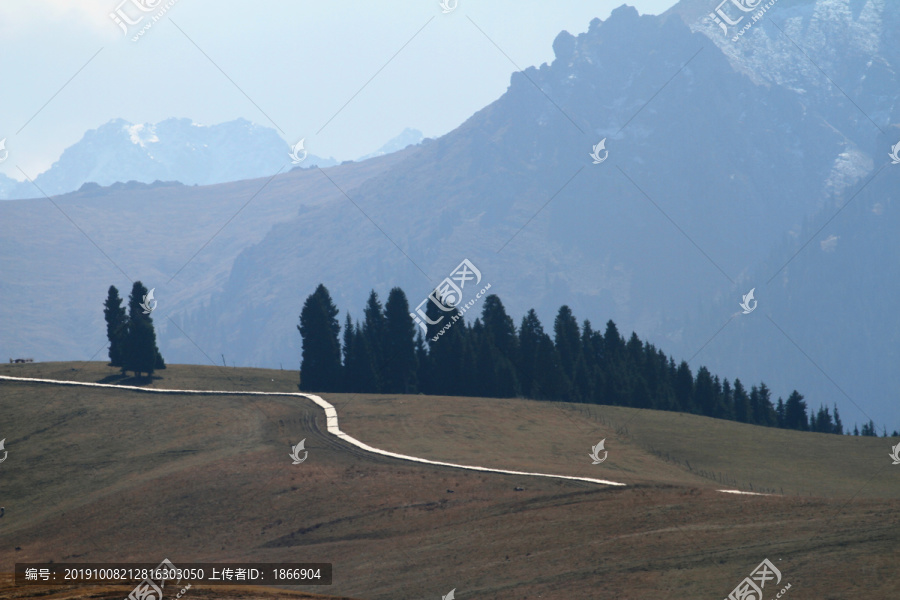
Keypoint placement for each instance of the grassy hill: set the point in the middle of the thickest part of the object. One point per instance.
(117, 475)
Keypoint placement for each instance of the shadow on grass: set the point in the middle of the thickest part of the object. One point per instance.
(123, 379)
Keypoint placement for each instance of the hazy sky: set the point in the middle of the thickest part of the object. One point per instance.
(284, 64)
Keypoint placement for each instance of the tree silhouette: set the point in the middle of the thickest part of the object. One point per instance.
(116, 327)
(399, 349)
(795, 412)
(140, 353)
(320, 368)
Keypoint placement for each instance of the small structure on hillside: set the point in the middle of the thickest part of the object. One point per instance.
(22, 360)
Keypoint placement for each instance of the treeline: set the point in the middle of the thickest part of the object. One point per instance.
(132, 339)
(386, 353)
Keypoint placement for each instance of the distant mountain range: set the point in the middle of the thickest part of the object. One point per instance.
(727, 160)
(408, 137)
(173, 150)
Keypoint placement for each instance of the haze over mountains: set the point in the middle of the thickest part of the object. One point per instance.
(725, 159)
(177, 150)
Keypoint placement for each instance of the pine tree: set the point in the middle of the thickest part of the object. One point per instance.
(588, 350)
(717, 389)
(375, 332)
(822, 422)
(741, 402)
(320, 367)
(140, 353)
(615, 371)
(549, 380)
(350, 370)
(704, 392)
(484, 377)
(636, 391)
(838, 426)
(728, 400)
(667, 393)
(640, 393)
(116, 327)
(780, 414)
(447, 349)
(499, 327)
(423, 365)
(464, 384)
(583, 384)
(567, 340)
(530, 333)
(795, 412)
(399, 345)
(767, 414)
(755, 406)
(502, 346)
(684, 388)
(367, 377)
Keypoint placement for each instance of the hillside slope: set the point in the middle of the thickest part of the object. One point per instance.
(134, 476)
(58, 259)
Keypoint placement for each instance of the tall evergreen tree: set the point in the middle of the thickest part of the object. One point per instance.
(613, 344)
(717, 411)
(116, 327)
(320, 368)
(665, 386)
(367, 378)
(483, 378)
(375, 331)
(499, 327)
(583, 382)
(423, 365)
(704, 392)
(754, 406)
(351, 368)
(140, 352)
(838, 426)
(550, 379)
(821, 422)
(741, 402)
(399, 345)
(684, 388)
(530, 333)
(567, 340)
(447, 349)
(589, 349)
(728, 400)
(795, 412)
(501, 346)
(766, 415)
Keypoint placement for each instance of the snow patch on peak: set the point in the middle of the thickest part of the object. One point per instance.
(141, 135)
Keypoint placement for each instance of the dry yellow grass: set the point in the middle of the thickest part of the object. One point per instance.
(113, 475)
(645, 446)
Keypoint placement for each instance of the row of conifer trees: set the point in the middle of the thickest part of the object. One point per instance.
(490, 357)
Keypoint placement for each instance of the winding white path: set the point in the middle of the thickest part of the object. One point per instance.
(331, 421)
